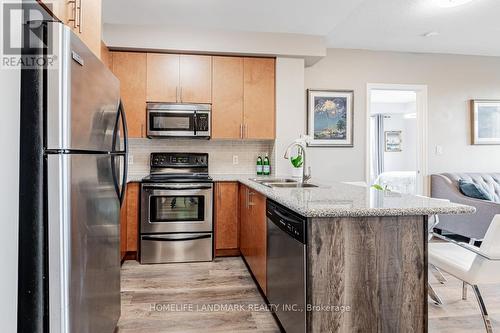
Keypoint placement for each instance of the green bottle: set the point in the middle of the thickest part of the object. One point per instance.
(267, 166)
(259, 166)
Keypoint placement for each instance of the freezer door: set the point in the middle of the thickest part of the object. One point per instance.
(82, 96)
(84, 251)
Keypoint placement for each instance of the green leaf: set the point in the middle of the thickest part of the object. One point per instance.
(377, 187)
(297, 161)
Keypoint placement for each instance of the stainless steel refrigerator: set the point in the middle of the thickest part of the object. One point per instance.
(73, 161)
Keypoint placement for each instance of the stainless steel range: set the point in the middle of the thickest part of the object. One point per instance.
(176, 209)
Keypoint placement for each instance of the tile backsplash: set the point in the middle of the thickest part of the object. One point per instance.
(221, 153)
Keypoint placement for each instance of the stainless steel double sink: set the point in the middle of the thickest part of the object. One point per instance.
(282, 182)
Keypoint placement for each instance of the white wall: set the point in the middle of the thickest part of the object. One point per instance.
(290, 115)
(9, 195)
(452, 81)
(182, 39)
(406, 159)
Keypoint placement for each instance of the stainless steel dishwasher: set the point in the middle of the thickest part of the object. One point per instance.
(286, 266)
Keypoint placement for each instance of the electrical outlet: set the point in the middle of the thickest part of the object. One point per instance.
(235, 159)
(130, 159)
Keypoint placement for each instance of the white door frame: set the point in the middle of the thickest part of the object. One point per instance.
(423, 185)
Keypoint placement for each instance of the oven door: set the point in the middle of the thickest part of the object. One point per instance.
(176, 208)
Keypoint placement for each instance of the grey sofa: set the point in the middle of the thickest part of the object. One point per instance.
(445, 186)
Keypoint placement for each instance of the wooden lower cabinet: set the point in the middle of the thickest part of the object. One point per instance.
(123, 230)
(226, 219)
(129, 224)
(253, 233)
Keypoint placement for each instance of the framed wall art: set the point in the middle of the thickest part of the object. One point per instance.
(330, 118)
(485, 116)
(393, 141)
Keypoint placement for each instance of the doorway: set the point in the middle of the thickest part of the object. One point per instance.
(397, 137)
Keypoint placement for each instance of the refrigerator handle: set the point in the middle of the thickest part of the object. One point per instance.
(120, 115)
(125, 148)
(124, 153)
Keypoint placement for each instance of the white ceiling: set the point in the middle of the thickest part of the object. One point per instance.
(397, 25)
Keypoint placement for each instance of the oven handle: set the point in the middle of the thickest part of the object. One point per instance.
(175, 239)
(168, 188)
(180, 187)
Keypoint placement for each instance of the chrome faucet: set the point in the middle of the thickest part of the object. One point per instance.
(306, 169)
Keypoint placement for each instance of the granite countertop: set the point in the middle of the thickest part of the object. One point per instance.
(335, 199)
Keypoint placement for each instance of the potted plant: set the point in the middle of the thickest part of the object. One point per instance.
(297, 164)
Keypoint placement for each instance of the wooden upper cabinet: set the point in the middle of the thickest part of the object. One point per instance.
(60, 9)
(84, 17)
(226, 215)
(179, 78)
(130, 69)
(227, 98)
(195, 79)
(89, 24)
(162, 77)
(259, 98)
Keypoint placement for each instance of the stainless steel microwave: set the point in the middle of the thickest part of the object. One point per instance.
(178, 120)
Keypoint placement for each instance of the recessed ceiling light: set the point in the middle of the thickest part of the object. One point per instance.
(430, 34)
(452, 3)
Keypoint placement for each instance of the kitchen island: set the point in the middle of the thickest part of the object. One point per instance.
(366, 254)
(365, 251)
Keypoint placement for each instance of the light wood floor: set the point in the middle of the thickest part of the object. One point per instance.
(227, 281)
(456, 315)
(224, 281)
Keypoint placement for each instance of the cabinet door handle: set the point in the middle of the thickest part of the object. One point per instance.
(241, 131)
(181, 94)
(73, 19)
(177, 94)
(80, 9)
